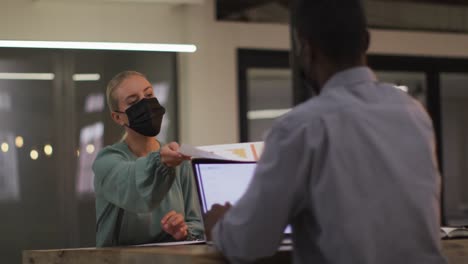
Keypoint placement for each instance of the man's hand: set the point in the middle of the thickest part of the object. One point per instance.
(170, 155)
(211, 217)
(174, 224)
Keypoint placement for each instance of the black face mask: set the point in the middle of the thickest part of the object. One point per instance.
(145, 117)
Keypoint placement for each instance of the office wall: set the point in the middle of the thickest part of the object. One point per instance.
(89, 20)
(419, 43)
(208, 78)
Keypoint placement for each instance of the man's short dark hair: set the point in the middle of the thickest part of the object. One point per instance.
(337, 27)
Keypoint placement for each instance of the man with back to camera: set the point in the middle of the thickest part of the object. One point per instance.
(353, 169)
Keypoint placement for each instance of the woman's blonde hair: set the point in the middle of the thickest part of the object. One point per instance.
(113, 84)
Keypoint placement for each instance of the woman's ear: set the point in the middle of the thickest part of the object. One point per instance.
(117, 118)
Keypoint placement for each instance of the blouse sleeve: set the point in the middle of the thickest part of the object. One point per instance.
(134, 185)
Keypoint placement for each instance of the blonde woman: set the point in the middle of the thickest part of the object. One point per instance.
(145, 192)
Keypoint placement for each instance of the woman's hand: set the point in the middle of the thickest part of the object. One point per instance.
(174, 224)
(170, 155)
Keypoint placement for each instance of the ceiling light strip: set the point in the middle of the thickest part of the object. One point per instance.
(83, 77)
(26, 76)
(98, 46)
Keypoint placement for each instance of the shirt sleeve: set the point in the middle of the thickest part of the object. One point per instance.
(254, 227)
(134, 185)
(191, 203)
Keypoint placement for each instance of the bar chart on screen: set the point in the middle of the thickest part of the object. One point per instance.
(240, 152)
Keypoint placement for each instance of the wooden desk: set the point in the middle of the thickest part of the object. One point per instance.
(134, 255)
(455, 250)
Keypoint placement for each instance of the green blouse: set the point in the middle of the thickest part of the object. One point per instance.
(133, 195)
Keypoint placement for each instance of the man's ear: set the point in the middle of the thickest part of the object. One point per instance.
(117, 118)
(310, 51)
(367, 41)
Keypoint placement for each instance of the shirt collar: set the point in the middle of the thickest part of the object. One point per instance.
(350, 76)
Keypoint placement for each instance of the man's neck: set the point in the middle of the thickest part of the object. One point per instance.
(141, 145)
(330, 69)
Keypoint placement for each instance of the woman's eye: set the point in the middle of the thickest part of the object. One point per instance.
(149, 95)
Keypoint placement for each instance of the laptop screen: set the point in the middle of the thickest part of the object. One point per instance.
(219, 182)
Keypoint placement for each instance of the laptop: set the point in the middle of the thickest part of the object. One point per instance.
(221, 181)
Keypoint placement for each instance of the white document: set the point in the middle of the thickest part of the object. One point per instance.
(453, 232)
(194, 152)
(236, 152)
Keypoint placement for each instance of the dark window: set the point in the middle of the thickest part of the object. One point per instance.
(54, 121)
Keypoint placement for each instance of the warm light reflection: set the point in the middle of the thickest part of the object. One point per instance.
(34, 154)
(266, 113)
(78, 153)
(9, 171)
(90, 148)
(404, 88)
(19, 141)
(5, 147)
(48, 150)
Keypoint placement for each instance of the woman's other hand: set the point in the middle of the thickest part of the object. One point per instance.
(174, 224)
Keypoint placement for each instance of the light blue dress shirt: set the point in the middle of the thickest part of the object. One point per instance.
(354, 171)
